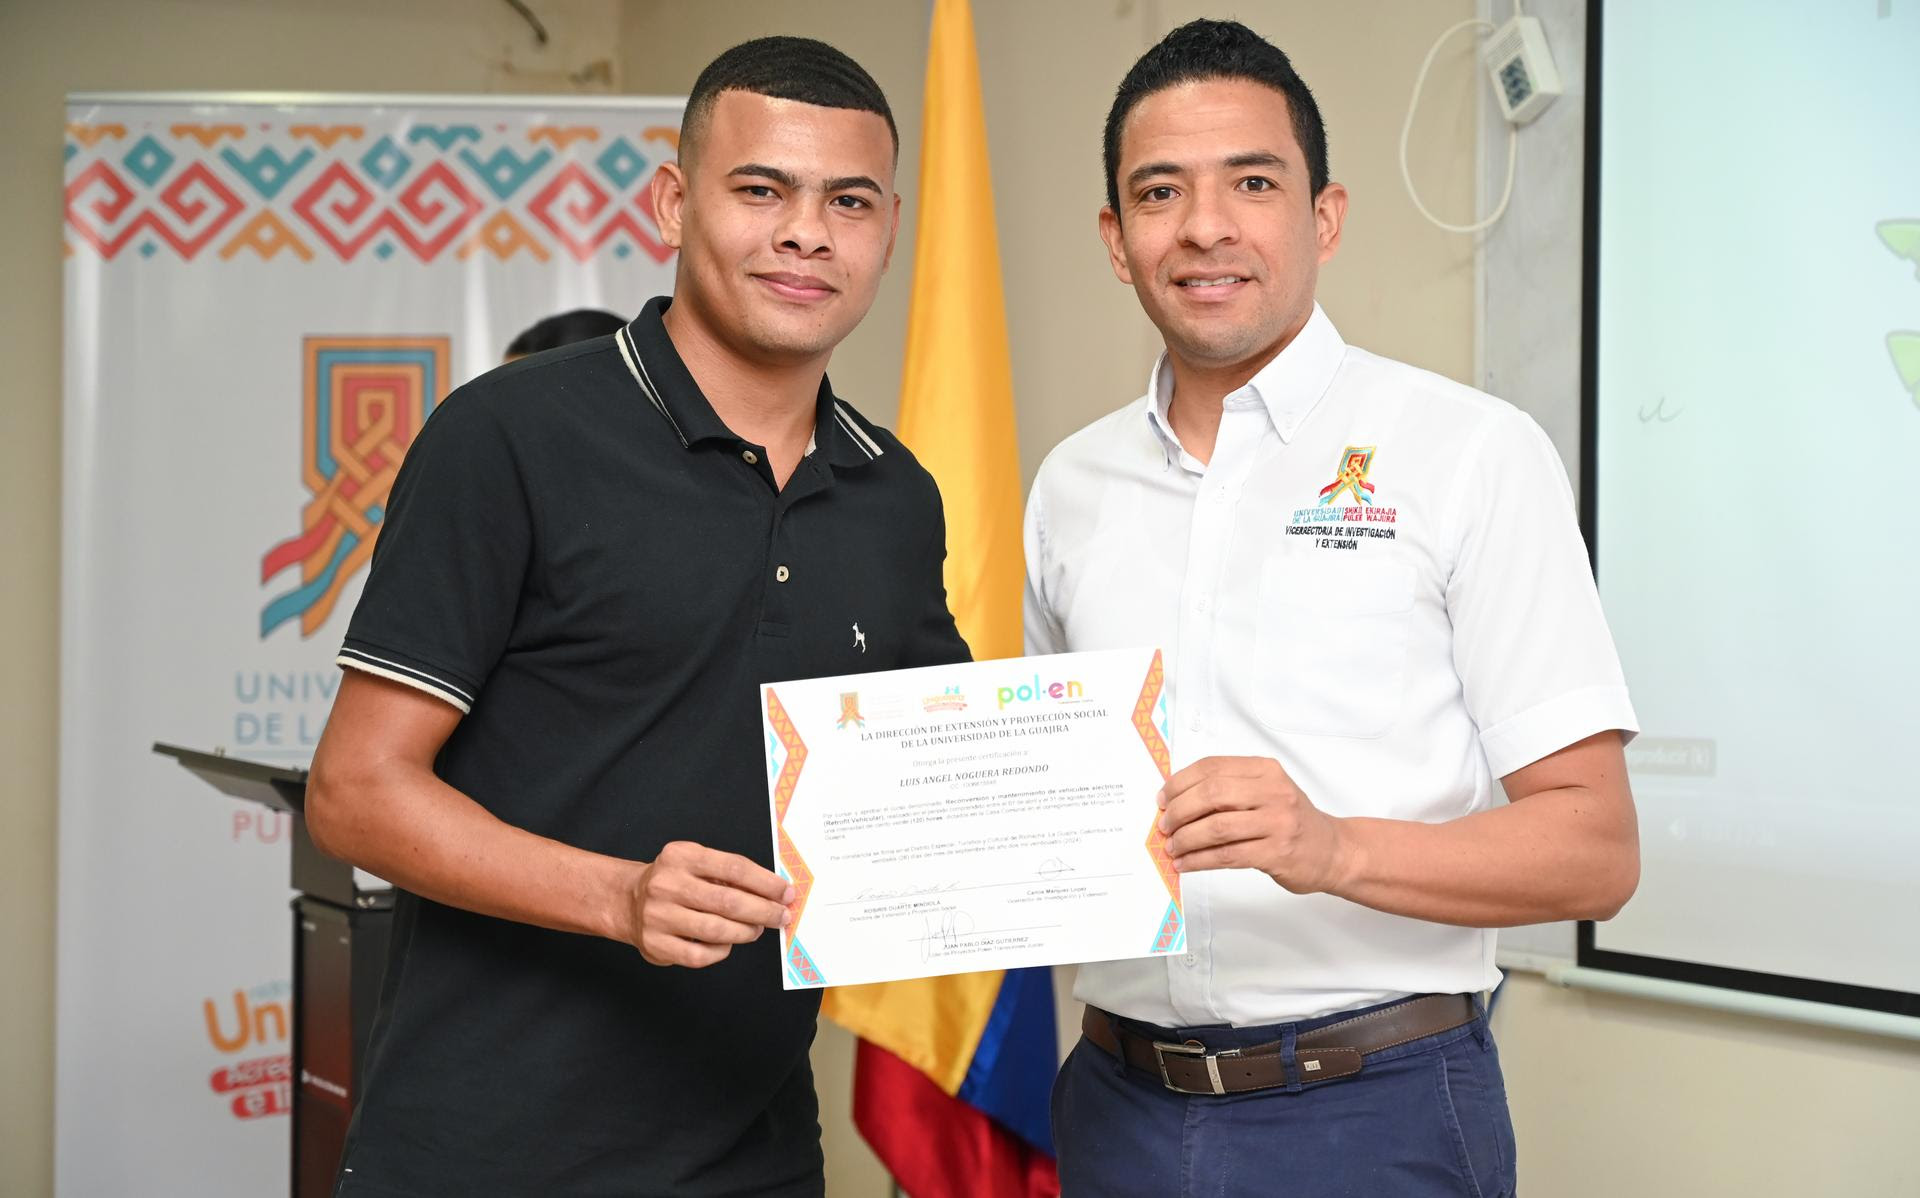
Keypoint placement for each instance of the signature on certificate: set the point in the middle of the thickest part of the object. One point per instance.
(1053, 867)
(944, 930)
(872, 893)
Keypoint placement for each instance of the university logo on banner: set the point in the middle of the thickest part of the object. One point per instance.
(364, 400)
(265, 304)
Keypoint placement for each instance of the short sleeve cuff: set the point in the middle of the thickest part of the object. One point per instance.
(1548, 727)
(418, 675)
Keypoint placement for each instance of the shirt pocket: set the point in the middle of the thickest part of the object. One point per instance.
(1330, 645)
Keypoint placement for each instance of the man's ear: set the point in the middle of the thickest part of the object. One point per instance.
(1329, 217)
(893, 236)
(1116, 246)
(668, 191)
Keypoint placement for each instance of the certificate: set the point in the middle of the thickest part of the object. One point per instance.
(988, 815)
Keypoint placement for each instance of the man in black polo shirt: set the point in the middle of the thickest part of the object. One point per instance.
(548, 734)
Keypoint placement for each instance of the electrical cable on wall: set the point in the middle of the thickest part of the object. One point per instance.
(1525, 82)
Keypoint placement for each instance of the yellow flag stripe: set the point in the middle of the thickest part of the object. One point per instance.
(956, 415)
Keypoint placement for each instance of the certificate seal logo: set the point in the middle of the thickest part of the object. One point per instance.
(950, 699)
(850, 711)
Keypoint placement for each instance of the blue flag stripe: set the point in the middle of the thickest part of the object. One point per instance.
(1011, 1075)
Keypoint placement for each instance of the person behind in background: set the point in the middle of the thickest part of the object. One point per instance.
(563, 328)
(548, 734)
(1377, 613)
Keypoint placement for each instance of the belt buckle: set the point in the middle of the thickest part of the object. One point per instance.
(1191, 1048)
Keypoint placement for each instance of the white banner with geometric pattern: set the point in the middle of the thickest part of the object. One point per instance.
(265, 297)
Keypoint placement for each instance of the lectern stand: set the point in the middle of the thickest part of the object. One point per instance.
(342, 919)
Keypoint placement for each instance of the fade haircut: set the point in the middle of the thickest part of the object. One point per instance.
(784, 68)
(1202, 51)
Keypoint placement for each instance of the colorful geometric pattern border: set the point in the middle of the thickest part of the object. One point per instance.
(1150, 720)
(365, 399)
(788, 755)
(1172, 934)
(364, 191)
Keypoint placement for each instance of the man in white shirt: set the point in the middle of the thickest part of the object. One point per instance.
(1374, 601)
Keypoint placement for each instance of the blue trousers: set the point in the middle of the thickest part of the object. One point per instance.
(1427, 1118)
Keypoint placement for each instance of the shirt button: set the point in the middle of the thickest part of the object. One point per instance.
(752, 458)
(1191, 958)
(781, 574)
(1201, 604)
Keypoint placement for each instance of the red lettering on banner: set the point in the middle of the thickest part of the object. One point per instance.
(261, 1085)
(259, 1071)
(268, 1100)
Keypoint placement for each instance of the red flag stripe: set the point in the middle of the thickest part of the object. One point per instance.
(935, 1145)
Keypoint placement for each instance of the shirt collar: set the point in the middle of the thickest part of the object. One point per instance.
(667, 386)
(1289, 387)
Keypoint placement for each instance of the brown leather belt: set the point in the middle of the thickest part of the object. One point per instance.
(1323, 1054)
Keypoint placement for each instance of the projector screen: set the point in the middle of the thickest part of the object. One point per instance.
(1752, 475)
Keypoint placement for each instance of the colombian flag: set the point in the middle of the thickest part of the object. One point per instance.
(953, 1074)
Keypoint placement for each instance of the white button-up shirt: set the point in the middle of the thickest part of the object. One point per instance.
(1377, 580)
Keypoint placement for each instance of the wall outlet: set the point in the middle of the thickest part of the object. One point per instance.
(1525, 80)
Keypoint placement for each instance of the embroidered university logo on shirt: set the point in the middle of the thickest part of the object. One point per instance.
(1400, 679)
(1335, 526)
(1352, 476)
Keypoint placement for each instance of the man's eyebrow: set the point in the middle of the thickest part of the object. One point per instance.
(756, 170)
(1261, 158)
(1147, 170)
(1258, 158)
(851, 182)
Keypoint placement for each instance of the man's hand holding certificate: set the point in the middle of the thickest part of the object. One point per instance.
(988, 815)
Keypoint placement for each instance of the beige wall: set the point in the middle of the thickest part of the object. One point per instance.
(1618, 1096)
(1080, 346)
(1611, 1095)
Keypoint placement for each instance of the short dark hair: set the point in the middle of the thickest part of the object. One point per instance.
(784, 68)
(581, 324)
(1206, 50)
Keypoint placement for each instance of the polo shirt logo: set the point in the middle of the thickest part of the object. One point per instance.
(1337, 526)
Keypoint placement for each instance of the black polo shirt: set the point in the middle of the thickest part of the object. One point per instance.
(580, 556)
